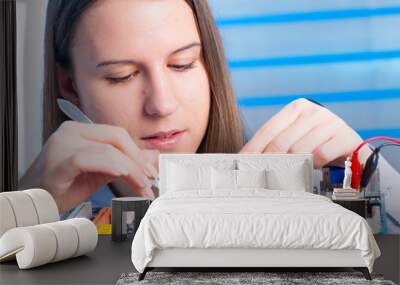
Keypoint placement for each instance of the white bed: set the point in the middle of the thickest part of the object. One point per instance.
(195, 224)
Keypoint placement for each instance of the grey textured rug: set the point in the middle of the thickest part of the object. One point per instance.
(225, 278)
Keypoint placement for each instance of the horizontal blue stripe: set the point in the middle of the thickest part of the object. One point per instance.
(368, 133)
(308, 16)
(314, 59)
(362, 95)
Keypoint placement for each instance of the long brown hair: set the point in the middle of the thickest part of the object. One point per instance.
(225, 130)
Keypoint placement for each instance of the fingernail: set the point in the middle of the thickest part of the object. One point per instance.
(151, 194)
(148, 192)
(147, 182)
(141, 181)
(152, 170)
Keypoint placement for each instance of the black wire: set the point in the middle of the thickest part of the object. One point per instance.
(372, 162)
(378, 148)
(315, 102)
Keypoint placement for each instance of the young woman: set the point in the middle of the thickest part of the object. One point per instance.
(152, 76)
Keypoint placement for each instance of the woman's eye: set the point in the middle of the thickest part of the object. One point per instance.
(181, 67)
(123, 79)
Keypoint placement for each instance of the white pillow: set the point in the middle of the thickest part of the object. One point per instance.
(251, 178)
(230, 180)
(293, 180)
(223, 179)
(282, 173)
(181, 177)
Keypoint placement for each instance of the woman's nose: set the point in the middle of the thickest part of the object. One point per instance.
(160, 97)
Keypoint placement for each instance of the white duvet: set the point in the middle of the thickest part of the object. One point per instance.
(250, 219)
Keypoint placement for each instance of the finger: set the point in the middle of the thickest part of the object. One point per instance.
(273, 127)
(144, 191)
(120, 186)
(289, 136)
(104, 159)
(317, 136)
(80, 192)
(349, 140)
(116, 136)
(152, 156)
(133, 174)
(329, 151)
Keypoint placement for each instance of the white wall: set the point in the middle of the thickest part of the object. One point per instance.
(30, 32)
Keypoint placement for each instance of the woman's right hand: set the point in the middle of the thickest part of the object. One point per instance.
(78, 158)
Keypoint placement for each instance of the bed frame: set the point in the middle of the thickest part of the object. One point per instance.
(247, 259)
(261, 259)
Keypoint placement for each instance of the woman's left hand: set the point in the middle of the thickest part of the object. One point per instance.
(302, 126)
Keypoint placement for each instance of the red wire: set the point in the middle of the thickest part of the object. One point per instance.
(355, 163)
(395, 140)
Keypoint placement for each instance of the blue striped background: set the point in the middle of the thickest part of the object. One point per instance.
(344, 54)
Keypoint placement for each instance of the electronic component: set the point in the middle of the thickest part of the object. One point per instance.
(372, 164)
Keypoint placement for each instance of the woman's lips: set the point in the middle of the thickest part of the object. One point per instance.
(164, 143)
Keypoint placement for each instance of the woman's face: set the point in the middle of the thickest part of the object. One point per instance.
(137, 64)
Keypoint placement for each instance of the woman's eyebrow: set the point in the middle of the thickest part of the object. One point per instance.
(132, 62)
(189, 46)
(110, 62)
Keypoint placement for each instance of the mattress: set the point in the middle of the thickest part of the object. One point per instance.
(250, 218)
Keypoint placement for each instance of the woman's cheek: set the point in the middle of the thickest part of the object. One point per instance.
(198, 86)
(107, 104)
(205, 94)
(198, 105)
